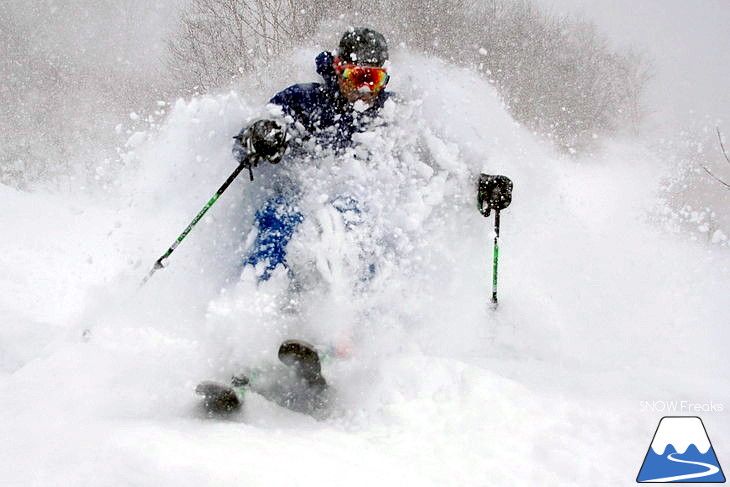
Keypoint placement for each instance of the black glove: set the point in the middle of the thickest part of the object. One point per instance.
(263, 140)
(493, 193)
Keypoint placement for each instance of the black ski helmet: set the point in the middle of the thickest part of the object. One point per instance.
(361, 45)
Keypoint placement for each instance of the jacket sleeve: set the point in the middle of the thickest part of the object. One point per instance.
(239, 151)
(297, 101)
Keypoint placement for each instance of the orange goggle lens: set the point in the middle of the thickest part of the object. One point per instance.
(363, 76)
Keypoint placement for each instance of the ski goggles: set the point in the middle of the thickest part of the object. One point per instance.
(360, 76)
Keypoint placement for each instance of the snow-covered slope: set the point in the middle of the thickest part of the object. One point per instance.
(599, 310)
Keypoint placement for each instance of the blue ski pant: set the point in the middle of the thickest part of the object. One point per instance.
(276, 222)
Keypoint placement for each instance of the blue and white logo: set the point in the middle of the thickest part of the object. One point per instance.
(681, 452)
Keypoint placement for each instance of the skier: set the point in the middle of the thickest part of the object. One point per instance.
(324, 116)
(318, 116)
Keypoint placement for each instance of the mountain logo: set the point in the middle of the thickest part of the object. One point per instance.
(681, 452)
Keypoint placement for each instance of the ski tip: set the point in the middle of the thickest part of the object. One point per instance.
(293, 352)
(218, 398)
(304, 359)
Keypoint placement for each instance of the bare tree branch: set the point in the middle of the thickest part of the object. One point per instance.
(724, 152)
(719, 137)
(715, 177)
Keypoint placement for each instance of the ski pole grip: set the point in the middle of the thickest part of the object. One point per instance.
(493, 193)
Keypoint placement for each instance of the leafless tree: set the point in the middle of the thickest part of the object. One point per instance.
(216, 40)
(558, 75)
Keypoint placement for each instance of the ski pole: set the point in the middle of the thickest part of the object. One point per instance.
(495, 260)
(263, 140)
(159, 263)
(494, 193)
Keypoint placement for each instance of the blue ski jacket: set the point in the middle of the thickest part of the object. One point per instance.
(322, 111)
